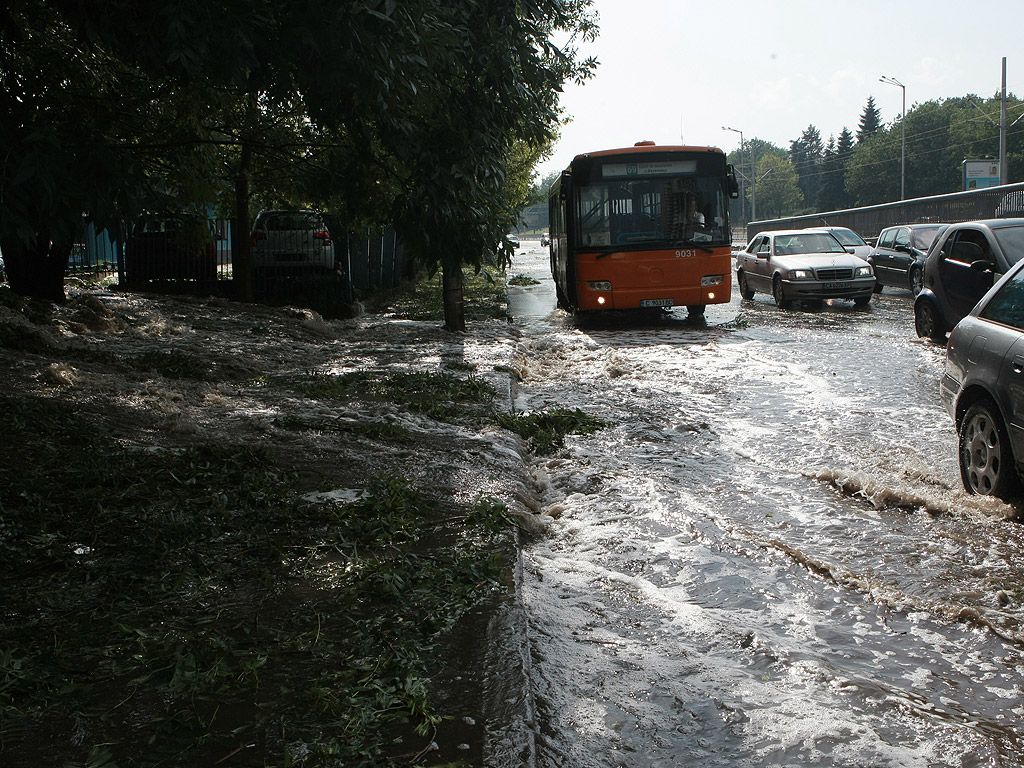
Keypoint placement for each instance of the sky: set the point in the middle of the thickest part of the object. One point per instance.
(680, 70)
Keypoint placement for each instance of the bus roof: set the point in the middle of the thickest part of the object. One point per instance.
(648, 146)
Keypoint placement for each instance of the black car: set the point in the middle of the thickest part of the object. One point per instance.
(981, 389)
(176, 246)
(963, 263)
(899, 254)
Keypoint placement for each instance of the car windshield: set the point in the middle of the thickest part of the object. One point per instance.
(653, 211)
(922, 238)
(847, 237)
(814, 242)
(1011, 240)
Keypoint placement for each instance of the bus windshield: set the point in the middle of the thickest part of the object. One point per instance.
(660, 211)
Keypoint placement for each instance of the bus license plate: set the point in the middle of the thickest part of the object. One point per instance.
(656, 303)
(835, 286)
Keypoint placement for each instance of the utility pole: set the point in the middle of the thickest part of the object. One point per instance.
(1004, 165)
(903, 134)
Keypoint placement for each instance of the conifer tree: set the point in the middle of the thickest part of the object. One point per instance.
(807, 154)
(870, 121)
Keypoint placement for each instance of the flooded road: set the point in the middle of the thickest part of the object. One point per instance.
(767, 558)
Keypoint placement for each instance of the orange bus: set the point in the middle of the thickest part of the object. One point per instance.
(644, 226)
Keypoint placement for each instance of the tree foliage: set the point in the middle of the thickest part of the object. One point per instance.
(778, 188)
(870, 121)
(425, 113)
(807, 155)
(940, 135)
(832, 194)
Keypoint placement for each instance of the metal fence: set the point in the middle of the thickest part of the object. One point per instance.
(366, 262)
(988, 203)
(374, 260)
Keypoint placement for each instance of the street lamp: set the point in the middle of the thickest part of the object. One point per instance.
(903, 133)
(753, 172)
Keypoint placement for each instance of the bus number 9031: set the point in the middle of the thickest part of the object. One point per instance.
(685, 254)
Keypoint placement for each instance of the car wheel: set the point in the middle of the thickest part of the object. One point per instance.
(986, 459)
(916, 280)
(862, 301)
(780, 298)
(878, 286)
(746, 292)
(926, 322)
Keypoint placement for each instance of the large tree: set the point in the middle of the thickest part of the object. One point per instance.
(778, 188)
(424, 109)
(832, 194)
(807, 155)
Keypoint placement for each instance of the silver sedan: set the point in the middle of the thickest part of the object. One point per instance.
(802, 265)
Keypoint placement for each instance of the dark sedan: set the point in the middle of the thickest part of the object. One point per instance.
(899, 254)
(962, 265)
(983, 389)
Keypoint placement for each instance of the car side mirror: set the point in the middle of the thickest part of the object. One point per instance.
(850, 249)
(981, 265)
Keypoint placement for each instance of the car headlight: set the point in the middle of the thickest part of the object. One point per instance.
(863, 272)
(801, 274)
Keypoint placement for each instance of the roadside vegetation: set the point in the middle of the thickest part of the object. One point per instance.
(182, 601)
(190, 607)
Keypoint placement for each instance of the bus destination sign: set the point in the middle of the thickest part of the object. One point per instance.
(632, 170)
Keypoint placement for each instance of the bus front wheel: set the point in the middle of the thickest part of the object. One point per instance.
(696, 311)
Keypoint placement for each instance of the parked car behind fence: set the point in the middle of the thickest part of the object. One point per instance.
(170, 247)
(291, 242)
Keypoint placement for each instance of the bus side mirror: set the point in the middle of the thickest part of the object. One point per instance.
(563, 188)
(733, 186)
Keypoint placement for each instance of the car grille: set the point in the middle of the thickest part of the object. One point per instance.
(835, 274)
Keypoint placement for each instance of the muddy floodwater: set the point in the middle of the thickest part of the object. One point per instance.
(767, 558)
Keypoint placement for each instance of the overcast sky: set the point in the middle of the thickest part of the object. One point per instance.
(680, 69)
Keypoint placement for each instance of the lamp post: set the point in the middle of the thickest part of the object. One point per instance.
(753, 172)
(903, 133)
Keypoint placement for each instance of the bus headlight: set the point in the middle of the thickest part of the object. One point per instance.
(599, 285)
(711, 280)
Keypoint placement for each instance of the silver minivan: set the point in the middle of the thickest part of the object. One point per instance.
(291, 241)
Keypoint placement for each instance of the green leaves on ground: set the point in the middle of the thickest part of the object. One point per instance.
(546, 430)
(442, 396)
(170, 605)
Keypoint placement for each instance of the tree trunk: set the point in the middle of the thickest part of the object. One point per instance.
(241, 251)
(454, 306)
(37, 271)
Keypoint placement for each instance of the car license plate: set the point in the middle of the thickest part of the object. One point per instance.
(835, 286)
(656, 303)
